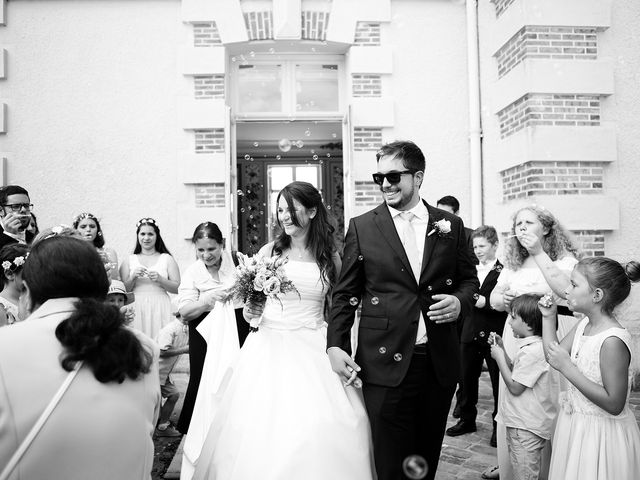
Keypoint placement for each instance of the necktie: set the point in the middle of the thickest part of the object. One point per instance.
(410, 244)
(411, 249)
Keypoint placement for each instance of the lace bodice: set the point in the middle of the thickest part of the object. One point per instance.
(298, 310)
(585, 354)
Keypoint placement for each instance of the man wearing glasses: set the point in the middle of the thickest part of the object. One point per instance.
(15, 215)
(408, 265)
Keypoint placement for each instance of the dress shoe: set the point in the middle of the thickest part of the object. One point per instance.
(493, 442)
(461, 428)
(167, 432)
(456, 411)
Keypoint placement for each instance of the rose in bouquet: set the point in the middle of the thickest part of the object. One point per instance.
(259, 278)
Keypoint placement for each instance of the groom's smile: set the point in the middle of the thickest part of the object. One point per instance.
(402, 190)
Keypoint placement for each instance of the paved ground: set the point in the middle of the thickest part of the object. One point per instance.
(463, 457)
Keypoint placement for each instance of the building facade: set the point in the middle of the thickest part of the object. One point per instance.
(194, 110)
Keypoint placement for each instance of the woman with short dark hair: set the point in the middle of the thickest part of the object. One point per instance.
(103, 424)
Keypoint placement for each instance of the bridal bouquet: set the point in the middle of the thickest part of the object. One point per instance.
(259, 278)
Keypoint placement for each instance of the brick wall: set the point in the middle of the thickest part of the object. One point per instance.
(210, 195)
(564, 43)
(208, 86)
(590, 242)
(366, 85)
(209, 140)
(259, 25)
(206, 34)
(314, 25)
(502, 5)
(368, 194)
(552, 178)
(366, 138)
(550, 109)
(367, 34)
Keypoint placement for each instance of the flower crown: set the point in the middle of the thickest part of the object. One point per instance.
(13, 265)
(144, 221)
(84, 215)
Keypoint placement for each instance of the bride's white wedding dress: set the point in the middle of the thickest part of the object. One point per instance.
(282, 412)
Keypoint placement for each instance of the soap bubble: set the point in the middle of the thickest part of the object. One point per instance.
(272, 50)
(233, 59)
(334, 135)
(328, 155)
(252, 54)
(415, 467)
(242, 210)
(307, 133)
(247, 157)
(299, 144)
(284, 145)
(315, 157)
(278, 157)
(256, 144)
(240, 193)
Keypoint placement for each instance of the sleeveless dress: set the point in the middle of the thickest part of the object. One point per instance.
(152, 303)
(283, 413)
(590, 443)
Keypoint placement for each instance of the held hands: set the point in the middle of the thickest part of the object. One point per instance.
(154, 276)
(558, 357)
(139, 272)
(346, 368)
(252, 311)
(445, 310)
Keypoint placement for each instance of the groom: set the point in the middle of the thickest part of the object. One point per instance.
(410, 266)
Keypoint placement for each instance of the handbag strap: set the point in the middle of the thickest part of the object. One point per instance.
(28, 440)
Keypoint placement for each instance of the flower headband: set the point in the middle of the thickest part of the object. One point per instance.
(84, 215)
(144, 221)
(12, 266)
(60, 230)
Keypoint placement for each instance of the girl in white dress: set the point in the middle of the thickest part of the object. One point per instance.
(596, 436)
(539, 258)
(283, 413)
(151, 273)
(12, 258)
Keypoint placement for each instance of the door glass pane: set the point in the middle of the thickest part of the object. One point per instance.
(260, 88)
(308, 173)
(317, 88)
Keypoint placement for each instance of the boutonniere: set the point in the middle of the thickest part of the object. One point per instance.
(441, 227)
(497, 268)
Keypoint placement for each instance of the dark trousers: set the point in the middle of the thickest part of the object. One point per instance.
(472, 357)
(197, 354)
(409, 419)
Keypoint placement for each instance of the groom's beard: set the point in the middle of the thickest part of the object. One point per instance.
(398, 201)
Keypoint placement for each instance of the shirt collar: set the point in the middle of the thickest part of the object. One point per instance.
(488, 266)
(420, 211)
(529, 340)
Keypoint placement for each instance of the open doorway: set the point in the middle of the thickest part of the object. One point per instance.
(272, 154)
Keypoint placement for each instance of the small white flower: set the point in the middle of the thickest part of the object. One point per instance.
(18, 261)
(6, 265)
(444, 226)
(57, 229)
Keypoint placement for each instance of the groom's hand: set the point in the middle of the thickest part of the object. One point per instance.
(446, 309)
(343, 364)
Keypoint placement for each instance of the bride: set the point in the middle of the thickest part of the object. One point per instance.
(282, 412)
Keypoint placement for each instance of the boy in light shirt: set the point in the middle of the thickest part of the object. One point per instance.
(526, 408)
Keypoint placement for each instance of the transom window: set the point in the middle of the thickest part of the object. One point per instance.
(287, 88)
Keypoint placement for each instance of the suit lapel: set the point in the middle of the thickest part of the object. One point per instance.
(430, 240)
(493, 273)
(384, 222)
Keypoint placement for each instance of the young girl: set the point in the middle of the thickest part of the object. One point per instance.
(90, 230)
(596, 435)
(12, 259)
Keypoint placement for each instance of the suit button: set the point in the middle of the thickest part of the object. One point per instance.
(449, 281)
(382, 350)
(429, 288)
(375, 300)
(397, 357)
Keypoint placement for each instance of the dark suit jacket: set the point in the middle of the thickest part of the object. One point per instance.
(6, 239)
(485, 319)
(376, 270)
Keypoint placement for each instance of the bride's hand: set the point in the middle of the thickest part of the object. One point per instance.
(343, 365)
(252, 311)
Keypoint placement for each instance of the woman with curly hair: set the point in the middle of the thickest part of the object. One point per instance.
(539, 258)
(72, 339)
(282, 403)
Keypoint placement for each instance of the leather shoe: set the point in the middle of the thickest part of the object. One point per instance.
(493, 442)
(168, 432)
(461, 428)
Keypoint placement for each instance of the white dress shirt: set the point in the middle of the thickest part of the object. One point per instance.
(420, 224)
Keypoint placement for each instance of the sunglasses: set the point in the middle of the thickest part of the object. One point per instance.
(145, 221)
(392, 177)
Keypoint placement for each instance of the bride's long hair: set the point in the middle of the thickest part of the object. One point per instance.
(320, 239)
